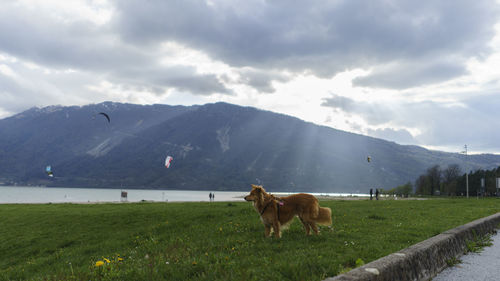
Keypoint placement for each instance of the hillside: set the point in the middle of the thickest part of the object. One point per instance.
(215, 146)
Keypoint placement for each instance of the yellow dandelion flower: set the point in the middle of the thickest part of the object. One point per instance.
(194, 263)
(99, 263)
(120, 259)
(108, 261)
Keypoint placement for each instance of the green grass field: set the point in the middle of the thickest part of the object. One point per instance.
(212, 241)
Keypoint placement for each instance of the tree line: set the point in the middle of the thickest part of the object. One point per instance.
(452, 182)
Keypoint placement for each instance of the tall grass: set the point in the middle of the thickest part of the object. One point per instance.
(211, 241)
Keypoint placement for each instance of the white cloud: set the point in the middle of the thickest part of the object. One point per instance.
(401, 136)
(7, 71)
(96, 11)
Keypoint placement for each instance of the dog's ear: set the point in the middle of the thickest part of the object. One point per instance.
(254, 186)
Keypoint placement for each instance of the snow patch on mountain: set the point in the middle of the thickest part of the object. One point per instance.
(223, 138)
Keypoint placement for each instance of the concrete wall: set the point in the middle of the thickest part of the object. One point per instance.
(424, 260)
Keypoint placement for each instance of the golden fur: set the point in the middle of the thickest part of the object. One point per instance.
(276, 212)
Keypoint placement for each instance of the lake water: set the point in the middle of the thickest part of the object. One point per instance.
(20, 194)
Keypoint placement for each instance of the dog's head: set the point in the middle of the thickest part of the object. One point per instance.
(256, 194)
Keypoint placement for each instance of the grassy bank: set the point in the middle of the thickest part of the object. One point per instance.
(207, 241)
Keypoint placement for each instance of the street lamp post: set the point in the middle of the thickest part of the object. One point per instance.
(466, 172)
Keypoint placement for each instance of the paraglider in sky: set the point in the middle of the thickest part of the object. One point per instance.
(48, 170)
(105, 115)
(369, 159)
(168, 160)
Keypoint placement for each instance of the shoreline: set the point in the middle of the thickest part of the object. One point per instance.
(234, 199)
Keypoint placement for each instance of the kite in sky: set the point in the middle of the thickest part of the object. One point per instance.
(168, 160)
(105, 115)
(48, 170)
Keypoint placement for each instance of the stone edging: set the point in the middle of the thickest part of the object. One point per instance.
(423, 260)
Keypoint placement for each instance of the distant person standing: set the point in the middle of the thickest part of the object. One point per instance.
(213, 196)
(210, 196)
(376, 193)
(371, 193)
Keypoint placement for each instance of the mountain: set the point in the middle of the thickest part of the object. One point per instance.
(215, 147)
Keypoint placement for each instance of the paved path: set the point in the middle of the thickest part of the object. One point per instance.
(483, 266)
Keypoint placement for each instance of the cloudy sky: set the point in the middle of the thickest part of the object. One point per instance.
(414, 72)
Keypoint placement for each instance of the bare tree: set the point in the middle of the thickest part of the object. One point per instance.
(422, 185)
(434, 175)
(450, 179)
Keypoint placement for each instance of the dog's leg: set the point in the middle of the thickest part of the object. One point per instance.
(314, 227)
(277, 231)
(306, 225)
(268, 230)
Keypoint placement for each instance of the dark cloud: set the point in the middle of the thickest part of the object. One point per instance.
(200, 84)
(261, 80)
(403, 41)
(158, 78)
(406, 75)
(340, 102)
(78, 45)
(372, 113)
(324, 38)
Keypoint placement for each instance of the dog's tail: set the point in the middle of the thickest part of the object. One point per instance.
(324, 216)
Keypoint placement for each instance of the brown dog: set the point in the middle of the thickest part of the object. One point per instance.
(279, 211)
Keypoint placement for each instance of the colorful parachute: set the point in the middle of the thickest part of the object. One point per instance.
(105, 115)
(48, 170)
(168, 160)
